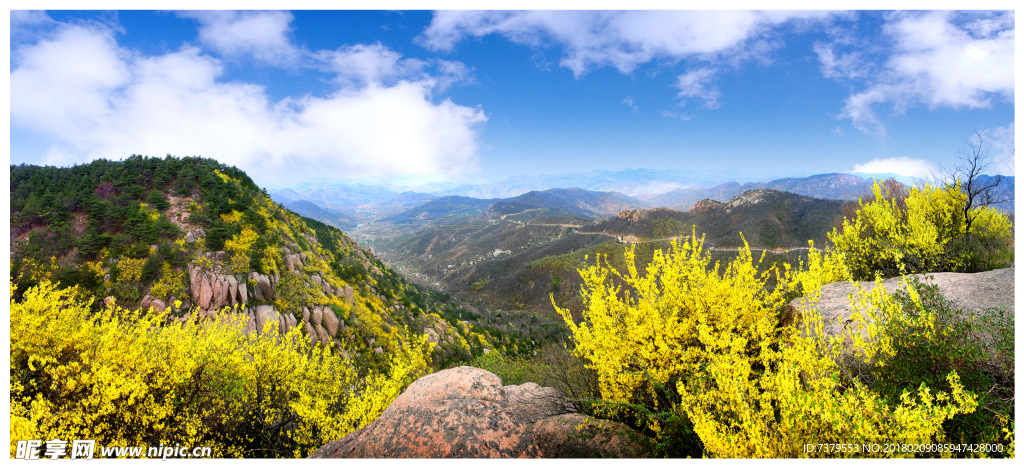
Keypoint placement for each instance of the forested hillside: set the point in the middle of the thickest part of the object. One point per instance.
(766, 218)
(147, 231)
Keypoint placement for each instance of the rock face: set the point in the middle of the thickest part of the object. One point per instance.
(212, 291)
(465, 412)
(972, 291)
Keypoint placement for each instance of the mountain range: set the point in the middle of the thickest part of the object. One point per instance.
(572, 202)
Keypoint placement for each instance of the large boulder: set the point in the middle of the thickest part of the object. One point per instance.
(263, 282)
(146, 300)
(432, 335)
(220, 293)
(575, 435)
(266, 314)
(311, 333)
(250, 322)
(330, 321)
(971, 291)
(193, 281)
(465, 412)
(322, 335)
(232, 287)
(317, 316)
(205, 292)
(243, 293)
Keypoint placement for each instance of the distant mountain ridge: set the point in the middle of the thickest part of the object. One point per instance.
(631, 182)
(676, 189)
(324, 215)
(573, 202)
(766, 218)
(826, 186)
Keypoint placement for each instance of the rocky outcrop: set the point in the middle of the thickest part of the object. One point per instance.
(466, 413)
(971, 291)
(575, 435)
(211, 290)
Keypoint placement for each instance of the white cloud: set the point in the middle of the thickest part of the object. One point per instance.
(903, 166)
(264, 36)
(838, 65)
(28, 18)
(260, 34)
(1001, 142)
(96, 99)
(697, 84)
(624, 40)
(676, 115)
(629, 102)
(940, 59)
(48, 93)
(362, 64)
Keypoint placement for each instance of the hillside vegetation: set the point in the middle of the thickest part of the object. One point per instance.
(708, 358)
(171, 301)
(186, 243)
(514, 261)
(767, 218)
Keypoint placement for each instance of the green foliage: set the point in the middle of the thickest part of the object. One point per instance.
(123, 202)
(979, 347)
(157, 200)
(666, 227)
(511, 370)
(556, 283)
(217, 236)
(126, 293)
(151, 269)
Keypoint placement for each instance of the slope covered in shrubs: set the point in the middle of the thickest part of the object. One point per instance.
(193, 245)
(708, 358)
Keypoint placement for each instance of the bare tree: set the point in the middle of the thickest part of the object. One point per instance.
(969, 174)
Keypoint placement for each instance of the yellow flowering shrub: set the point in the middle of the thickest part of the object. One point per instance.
(239, 246)
(234, 217)
(127, 378)
(923, 233)
(690, 341)
(130, 269)
(151, 213)
(168, 284)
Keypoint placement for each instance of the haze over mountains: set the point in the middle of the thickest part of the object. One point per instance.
(573, 202)
(351, 202)
(666, 188)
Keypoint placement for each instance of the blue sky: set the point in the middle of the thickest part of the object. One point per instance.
(293, 96)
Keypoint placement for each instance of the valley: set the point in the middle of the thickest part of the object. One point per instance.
(518, 254)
